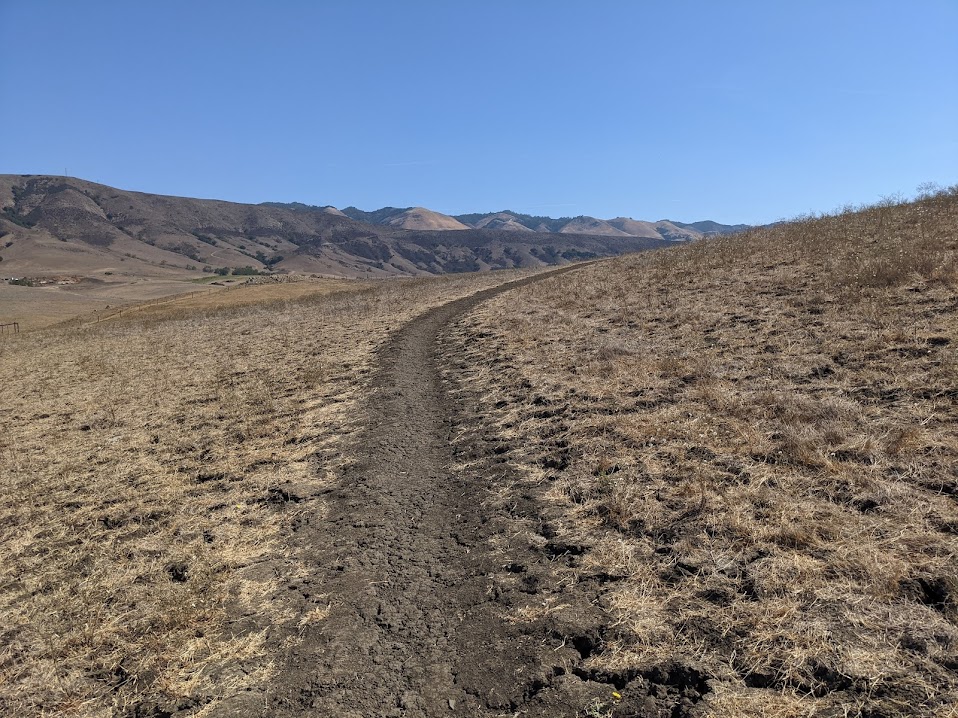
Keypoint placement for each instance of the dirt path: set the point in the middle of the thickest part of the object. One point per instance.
(401, 557)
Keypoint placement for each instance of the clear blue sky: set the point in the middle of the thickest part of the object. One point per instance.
(733, 111)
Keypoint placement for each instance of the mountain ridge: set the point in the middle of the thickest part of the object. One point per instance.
(54, 224)
(406, 217)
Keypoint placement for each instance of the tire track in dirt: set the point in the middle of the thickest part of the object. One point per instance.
(400, 558)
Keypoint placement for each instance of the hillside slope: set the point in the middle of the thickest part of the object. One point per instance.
(744, 451)
(52, 225)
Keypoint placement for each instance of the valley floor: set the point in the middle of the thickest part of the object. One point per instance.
(153, 470)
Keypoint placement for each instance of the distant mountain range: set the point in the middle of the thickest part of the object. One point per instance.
(62, 225)
(420, 218)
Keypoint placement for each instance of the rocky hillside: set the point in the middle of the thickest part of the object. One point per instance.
(60, 224)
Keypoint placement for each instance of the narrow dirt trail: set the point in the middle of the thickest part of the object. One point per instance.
(400, 559)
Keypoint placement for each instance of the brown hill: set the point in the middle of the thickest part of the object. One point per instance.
(663, 229)
(591, 225)
(51, 225)
(636, 228)
(502, 220)
(756, 438)
(422, 218)
(618, 227)
(658, 230)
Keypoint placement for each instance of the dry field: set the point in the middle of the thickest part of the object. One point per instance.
(259, 292)
(91, 299)
(151, 469)
(752, 445)
(36, 307)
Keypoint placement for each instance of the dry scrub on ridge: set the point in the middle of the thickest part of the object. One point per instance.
(151, 468)
(753, 442)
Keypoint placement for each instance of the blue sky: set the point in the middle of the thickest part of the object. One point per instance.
(733, 111)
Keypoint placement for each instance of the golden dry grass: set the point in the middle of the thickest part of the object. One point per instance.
(756, 438)
(91, 300)
(259, 292)
(151, 470)
(34, 307)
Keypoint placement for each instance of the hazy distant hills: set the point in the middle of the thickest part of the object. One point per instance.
(708, 227)
(421, 218)
(51, 225)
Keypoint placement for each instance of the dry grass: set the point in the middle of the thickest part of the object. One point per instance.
(258, 292)
(90, 300)
(152, 469)
(756, 438)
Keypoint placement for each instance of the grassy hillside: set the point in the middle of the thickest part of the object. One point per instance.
(748, 447)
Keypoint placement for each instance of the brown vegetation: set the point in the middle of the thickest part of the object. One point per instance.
(150, 470)
(752, 442)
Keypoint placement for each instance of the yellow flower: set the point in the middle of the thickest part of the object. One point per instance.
(616, 695)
